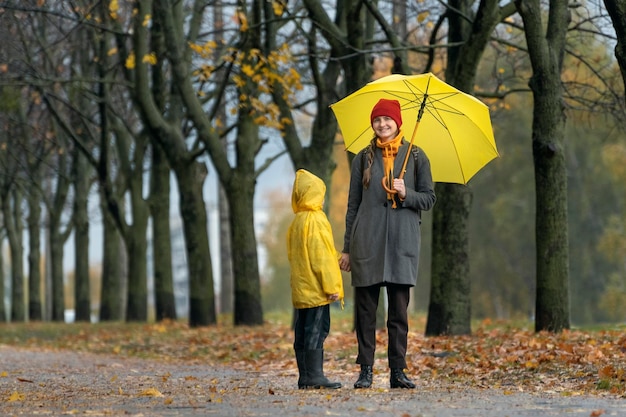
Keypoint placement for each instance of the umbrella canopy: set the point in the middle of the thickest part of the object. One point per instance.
(453, 128)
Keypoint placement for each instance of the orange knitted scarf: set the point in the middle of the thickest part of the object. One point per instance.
(390, 150)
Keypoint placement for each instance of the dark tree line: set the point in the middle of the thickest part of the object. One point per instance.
(111, 100)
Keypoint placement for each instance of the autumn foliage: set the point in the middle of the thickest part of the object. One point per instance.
(499, 356)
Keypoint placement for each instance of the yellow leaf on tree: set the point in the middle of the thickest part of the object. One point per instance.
(150, 58)
(243, 21)
(278, 7)
(130, 61)
(146, 20)
(114, 7)
(248, 70)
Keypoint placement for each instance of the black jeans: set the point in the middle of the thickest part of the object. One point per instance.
(366, 301)
(311, 327)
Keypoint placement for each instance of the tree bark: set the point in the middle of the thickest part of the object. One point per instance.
(166, 131)
(35, 305)
(113, 294)
(3, 310)
(162, 237)
(617, 11)
(227, 287)
(11, 211)
(135, 237)
(548, 132)
(449, 310)
(58, 236)
(193, 211)
(82, 294)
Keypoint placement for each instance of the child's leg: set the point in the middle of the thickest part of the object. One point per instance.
(299, 346)
(316, 329)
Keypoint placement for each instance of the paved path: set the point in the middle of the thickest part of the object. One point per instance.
(36, 383)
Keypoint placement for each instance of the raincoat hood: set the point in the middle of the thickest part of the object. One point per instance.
(308, 192)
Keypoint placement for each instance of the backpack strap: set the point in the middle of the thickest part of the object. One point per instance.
(415, 151)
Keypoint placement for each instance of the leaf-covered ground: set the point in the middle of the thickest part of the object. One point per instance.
(500, 356)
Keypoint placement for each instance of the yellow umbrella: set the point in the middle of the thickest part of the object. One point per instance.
(454, 127)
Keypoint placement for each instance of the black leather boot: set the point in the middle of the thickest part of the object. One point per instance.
(315, 370)
(303, 378)
(399, 380)
(365, 377)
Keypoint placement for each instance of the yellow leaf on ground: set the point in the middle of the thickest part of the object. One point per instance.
(16, 396)
(151, 392)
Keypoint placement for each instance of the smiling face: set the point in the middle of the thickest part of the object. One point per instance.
(385, 128)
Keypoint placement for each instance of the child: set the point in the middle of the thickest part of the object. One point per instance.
(315, 278)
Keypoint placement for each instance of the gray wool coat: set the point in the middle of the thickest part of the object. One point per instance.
(383, 242)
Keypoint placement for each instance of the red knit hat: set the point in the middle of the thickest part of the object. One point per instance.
(390, 108)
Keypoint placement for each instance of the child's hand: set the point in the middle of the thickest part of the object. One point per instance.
(344, 262)
(333, 297)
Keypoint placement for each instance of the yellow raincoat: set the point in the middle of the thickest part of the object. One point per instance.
(314, 261)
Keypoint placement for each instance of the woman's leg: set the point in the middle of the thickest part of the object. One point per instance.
(366, 302)
(397, 324)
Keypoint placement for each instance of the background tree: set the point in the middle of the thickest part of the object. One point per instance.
(449, 310)
(551, 228)
(166, 128)
(617, 12)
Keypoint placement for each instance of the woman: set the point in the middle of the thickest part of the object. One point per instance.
(382, 237)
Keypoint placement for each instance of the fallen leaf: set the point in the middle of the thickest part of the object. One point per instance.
(150, 392)
(16, 396)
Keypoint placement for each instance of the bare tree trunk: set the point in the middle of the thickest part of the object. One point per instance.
(11, 211)
(167, 132)
(551, 227)
(162, 238)
(449, 310)
(226, 253)
(137, 247)
(193, 211)
(57, 277)
(3, 311)
(113, 294)
(35, 306)
(248, 309)
(82, 295)
(55, 204)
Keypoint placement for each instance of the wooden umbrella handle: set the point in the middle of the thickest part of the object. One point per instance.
(384, 181)
(386, 186)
